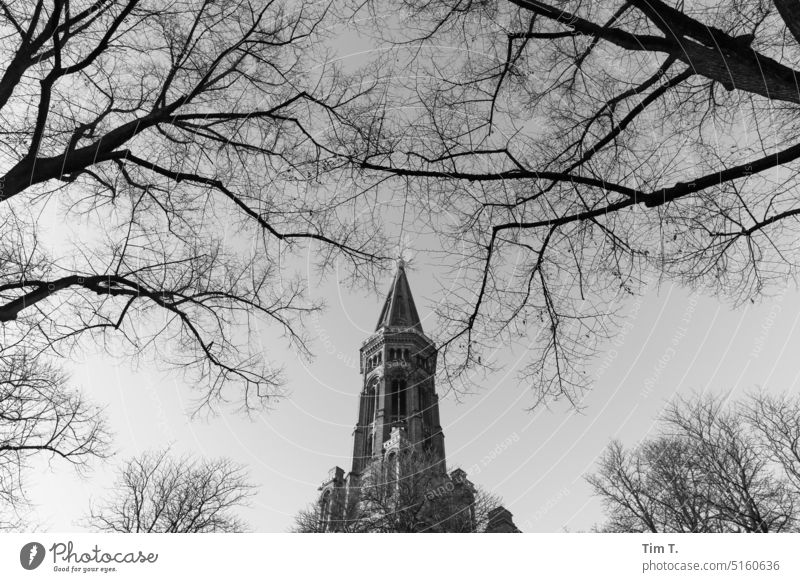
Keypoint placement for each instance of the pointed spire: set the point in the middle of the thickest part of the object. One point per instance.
(399, 309)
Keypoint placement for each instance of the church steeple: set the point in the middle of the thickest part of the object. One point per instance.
(399, 309)
(398, 404)
(398, 416)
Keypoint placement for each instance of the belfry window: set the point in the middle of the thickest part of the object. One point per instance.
(369, 405)
(398, 397)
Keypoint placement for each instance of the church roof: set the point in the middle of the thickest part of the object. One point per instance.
(399, 309)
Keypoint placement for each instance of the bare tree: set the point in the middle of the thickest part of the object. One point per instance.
(565, 154)
(157, 493)
(777, 421)
(569, 152)
(409, 494)
(708, 471)
(171, 144)
(39, 417)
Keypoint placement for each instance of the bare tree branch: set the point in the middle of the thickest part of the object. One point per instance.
(160, 494)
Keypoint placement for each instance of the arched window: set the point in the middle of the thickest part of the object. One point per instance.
(398, 398)
(369, 405)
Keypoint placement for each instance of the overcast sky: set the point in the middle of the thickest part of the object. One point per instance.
(672, 342)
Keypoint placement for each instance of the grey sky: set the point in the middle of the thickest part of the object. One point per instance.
(672, 342)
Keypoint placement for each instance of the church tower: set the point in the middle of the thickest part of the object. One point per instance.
(398, 414)
(398, 402)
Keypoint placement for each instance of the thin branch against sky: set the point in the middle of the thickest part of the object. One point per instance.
(544, 164)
